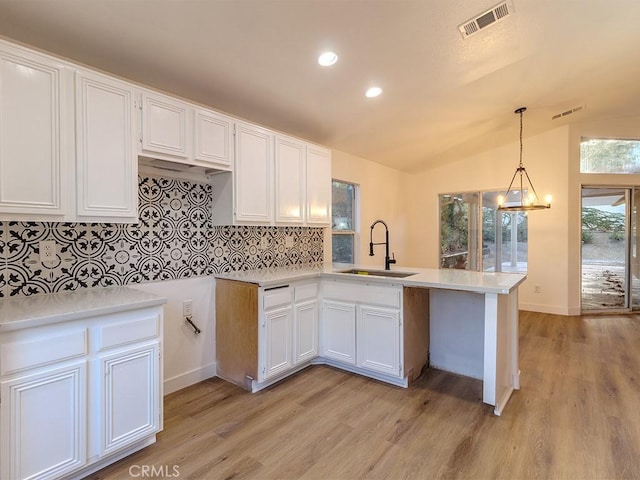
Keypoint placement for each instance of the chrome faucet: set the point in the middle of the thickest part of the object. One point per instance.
(387, 260)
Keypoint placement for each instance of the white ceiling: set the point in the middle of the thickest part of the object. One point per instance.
(444, 96)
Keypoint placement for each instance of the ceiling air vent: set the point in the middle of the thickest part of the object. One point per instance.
(567, 112)
(491, 16)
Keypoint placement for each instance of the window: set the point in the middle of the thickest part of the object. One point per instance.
(344, 221)
(598, 155)
(474, 235)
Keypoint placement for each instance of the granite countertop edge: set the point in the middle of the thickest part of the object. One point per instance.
(448, 279)
(37, 310)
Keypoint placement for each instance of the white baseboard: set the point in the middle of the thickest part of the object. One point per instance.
(189, 378)
(529, 307)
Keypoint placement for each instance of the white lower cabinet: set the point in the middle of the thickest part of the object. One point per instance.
(339, 331)
(278, 351)
(305, 331)
(77, 395)
(129, 396)
(378, 339)
(44, 425)
(361, 326)
(288, 334)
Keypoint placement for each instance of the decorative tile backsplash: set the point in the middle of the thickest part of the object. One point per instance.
(174, 239)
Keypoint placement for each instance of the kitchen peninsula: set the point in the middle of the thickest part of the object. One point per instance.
(387, 325)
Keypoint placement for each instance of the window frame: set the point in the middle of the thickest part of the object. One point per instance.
(476, 258)
(594, 172)
(355, 233)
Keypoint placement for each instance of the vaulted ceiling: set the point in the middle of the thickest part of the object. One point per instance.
(444, 96)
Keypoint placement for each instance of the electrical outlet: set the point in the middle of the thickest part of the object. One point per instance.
(264, 243)
(288, 242)
(47, 250)
(187, 308)
(537, 289)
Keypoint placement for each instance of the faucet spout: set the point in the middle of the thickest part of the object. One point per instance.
(387, 260)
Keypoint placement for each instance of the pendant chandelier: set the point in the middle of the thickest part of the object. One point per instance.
(523, 196)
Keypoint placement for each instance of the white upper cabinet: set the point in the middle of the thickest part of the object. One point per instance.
(213, 139)
(106, 166)
(318, 191)
(289, 180)
(33, 133)
(253, 175)
(164, 127)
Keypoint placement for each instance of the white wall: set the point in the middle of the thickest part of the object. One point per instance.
(188, 358)
(383, 195)
(546, 158)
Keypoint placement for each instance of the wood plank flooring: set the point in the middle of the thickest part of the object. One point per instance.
(577, 416)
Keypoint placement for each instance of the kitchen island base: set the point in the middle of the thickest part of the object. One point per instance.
(476, 335)
(387, 327)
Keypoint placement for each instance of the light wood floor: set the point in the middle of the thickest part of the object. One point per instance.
(577, 416)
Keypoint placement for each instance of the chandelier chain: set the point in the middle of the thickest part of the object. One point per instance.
(521, 111)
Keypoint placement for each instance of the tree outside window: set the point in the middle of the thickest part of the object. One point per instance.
(344, 221)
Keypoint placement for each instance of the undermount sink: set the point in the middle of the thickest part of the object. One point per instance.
(377, 273)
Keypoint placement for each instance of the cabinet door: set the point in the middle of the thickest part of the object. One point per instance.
(318, 186)
(106, 168)
(164, 126)
(253, 175)
(379, 339)
(213, 139)
(32, 134)
(278, 356)
(290, 180)
(305, 332)
(130, 396)
(44, 423)
(339, 331)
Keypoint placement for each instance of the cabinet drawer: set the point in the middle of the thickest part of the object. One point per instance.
(306, 292)
(130, 331)
(277, 297)
(363, 293)
(18, 356)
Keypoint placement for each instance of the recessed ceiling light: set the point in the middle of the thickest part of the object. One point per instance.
(327, 59)
(373, 92)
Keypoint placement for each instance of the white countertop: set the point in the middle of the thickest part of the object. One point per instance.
(37, 310)
(449, 279)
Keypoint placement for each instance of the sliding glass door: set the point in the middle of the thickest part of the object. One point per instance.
(608, 245)
(475, 235)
